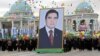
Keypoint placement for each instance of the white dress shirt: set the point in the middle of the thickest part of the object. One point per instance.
(48, 29)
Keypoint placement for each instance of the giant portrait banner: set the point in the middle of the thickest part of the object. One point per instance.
(50, 29)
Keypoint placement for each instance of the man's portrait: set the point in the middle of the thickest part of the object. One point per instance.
(50, 28)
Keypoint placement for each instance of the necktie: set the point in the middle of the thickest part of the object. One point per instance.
(51, 37)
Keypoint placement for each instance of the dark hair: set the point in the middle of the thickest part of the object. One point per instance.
(51, 11)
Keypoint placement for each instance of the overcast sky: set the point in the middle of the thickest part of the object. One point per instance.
(6, 4)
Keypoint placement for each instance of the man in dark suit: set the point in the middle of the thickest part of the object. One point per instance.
(49, 36)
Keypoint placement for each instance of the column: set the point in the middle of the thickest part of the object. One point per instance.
(96, 25)
(34, 27)
(0, 25)
(77, 24)
(21, 24)
(93, 27)
(71, 26)
(28, 24)
(64, 25)
(12, 23)
(87, 24)
(28, 28)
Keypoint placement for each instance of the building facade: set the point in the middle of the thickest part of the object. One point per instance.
(83, 19)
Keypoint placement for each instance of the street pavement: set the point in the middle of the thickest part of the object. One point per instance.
(70, 53)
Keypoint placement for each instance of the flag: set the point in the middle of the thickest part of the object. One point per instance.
(62, 4)
(71, 4)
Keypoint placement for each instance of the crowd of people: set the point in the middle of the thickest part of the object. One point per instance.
(68, 44)
(18, 45)
(82, 44)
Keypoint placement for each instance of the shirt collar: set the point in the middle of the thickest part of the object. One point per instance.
(48, 29)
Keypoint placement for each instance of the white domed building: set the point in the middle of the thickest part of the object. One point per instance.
(84, 19)
(20, 16)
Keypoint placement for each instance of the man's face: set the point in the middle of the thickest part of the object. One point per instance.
(51, 20)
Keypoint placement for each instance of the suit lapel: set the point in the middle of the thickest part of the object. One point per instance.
(55, 36)
(46, 37)
(45, 32)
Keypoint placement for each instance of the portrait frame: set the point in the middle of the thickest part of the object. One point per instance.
(59, 26)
